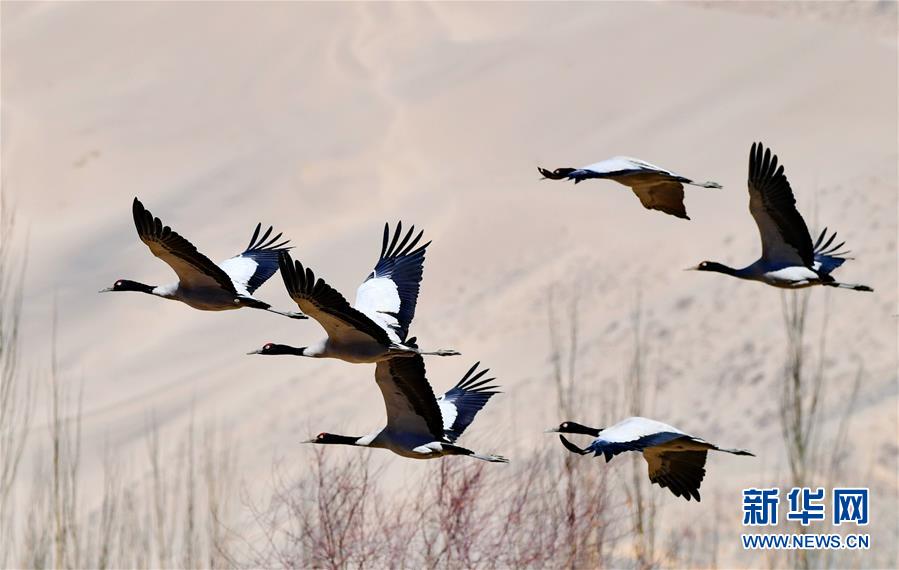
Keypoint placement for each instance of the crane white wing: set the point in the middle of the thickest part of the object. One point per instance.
(257, 263)
(624, 164)
(633, 434)
(390, 293)
(634, 428)
(240, 270)
(461, 404)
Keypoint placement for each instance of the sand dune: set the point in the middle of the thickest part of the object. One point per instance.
(328, 120)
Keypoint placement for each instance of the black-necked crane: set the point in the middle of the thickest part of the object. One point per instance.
(201, 283)
(419, 425)
(789, 258)
(375, 327)
(675, 459)
(656, 187)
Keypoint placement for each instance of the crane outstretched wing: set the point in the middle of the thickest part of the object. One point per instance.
(659, 194)
(326, 305)
(194, 269)
(681, 472)
(411, 406)
(632, 434)
(828, 256)
(785, 237)
(258, 262)
(462, 403)
(390, 292)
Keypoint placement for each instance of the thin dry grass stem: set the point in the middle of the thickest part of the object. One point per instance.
(696, 545)
(65, 445)
(218, 491)
(58, 530)
(110, 510)
(564, 352)
(61, 532)
(841, 449)
(189, 540)
(36, 551)
(800, 394)
(17, 397)
(799, 403)
(815, 456)
(644, 504)
(583, 504)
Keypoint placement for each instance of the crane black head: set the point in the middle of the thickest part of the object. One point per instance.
(557, 174)
(127, 285)
(333, 439)
(574, 427)
(712, 266)
(271, 348)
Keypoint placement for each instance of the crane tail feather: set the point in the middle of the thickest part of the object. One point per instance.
(853, 286)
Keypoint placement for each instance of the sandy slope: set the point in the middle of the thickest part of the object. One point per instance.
(327, 120)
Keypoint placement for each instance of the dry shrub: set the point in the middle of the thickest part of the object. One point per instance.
(459, 514)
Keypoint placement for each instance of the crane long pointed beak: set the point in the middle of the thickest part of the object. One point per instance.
(308, 440)
(107, 290)
(551, 430)
(257, 351)
(692, 268)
